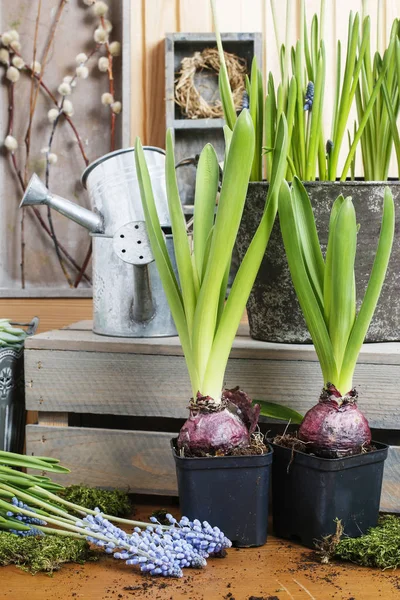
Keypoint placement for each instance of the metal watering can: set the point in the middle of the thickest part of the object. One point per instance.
(128, 297)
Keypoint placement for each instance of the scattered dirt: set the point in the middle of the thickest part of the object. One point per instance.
(281, 561)
(263, 598)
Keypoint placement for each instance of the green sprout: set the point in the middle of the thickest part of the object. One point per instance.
(205, 323)
(326, 287)
(300, 96)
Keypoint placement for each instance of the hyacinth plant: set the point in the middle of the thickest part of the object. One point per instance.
(381, 133)
(220, 419)
(299, 95)
(30, 506)
(327, 295)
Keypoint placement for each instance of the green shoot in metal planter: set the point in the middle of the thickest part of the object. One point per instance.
(219, 419)
(326, 292)
(300, 95)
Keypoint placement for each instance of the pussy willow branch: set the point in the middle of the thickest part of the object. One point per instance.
(43, 223)
(11, 107)
(49, 212)
(32, 102)
(111, 88)
(35, 93)
(81, 271)
(54, 99)
(23, 187)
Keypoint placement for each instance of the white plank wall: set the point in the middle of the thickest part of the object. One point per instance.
(152, 19)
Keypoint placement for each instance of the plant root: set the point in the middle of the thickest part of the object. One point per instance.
(326, 548)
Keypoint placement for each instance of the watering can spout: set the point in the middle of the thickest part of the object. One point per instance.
(37, 193)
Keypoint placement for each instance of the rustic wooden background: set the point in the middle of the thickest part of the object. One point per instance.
(74, 35)
(150, 20)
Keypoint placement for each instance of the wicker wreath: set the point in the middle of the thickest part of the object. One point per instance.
(189, 98)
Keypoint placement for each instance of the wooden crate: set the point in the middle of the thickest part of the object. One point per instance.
(76, 377)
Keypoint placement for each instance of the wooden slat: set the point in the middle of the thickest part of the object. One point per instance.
(243, 347)
(194, 16)
(138, 65)
(140, 461)
(155, 385)
(52, 312)
(390, 499)
(80, 325)
(281, 569)
(87, 325)
(159, 19)
(53, 419)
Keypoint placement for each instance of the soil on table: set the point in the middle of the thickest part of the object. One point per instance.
(271, 572)
(290, 440)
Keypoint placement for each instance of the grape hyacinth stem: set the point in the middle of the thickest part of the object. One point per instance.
(156, 549)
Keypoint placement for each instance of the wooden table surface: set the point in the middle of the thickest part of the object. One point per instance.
(277, 571)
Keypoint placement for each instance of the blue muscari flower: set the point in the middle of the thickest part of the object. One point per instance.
(309, 97)
(245, 100)
(32, 531)
(158, 550)
(200, 535)
(23, 518)
(329, 147)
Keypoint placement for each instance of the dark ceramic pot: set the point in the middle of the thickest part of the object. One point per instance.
(273, 309)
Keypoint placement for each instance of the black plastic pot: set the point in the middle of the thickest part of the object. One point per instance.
(273, 309)
(309, 493)
(230, 492)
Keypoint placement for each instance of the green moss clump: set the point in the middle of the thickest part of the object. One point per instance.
(110, 502)
(379, 547)
(42, 553)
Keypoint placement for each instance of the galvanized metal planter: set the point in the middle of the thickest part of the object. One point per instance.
(12, 400)
(273, 309)
(12, 394)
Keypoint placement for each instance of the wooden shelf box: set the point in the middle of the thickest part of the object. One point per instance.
(108, 407)
(191, 135)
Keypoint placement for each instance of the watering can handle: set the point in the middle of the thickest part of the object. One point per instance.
(32, 326)
(194, 160)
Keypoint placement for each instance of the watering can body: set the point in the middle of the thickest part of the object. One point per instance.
(128, 297)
